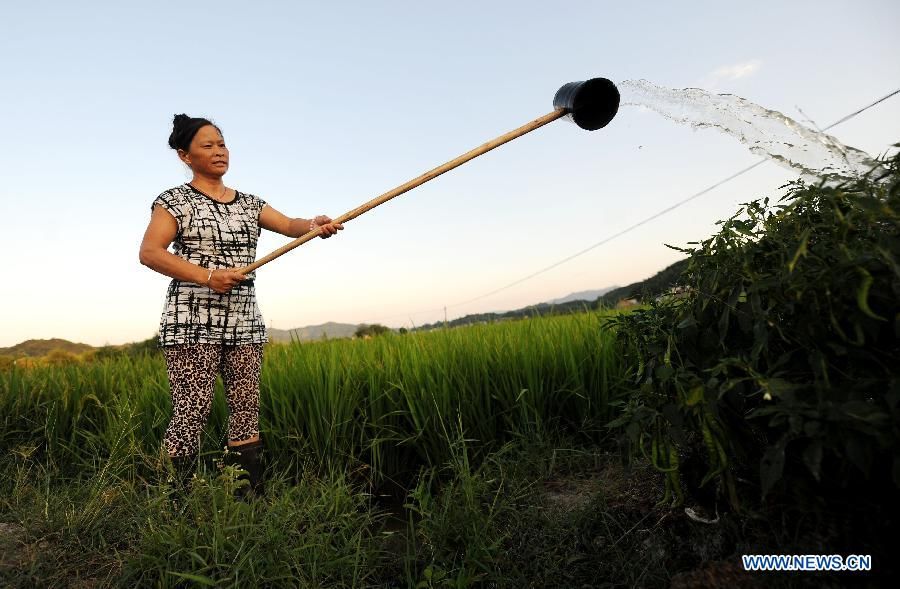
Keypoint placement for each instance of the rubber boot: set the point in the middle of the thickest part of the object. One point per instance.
(247, 457)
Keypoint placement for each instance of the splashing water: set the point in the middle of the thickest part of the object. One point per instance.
(765, 132)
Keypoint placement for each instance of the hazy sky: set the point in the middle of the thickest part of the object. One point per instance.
(327, 105)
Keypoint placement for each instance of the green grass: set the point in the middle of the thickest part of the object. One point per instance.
(469, 457)
(382, 407)
(354, 430)
(539, 511)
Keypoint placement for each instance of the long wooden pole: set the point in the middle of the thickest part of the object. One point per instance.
(539, 122)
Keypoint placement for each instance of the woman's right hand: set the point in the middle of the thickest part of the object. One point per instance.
(224, 280)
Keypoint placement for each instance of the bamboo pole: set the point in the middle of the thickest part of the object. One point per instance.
(430, 175)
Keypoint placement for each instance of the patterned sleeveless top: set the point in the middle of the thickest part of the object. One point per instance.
(212, 235)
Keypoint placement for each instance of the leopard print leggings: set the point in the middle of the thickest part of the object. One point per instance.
(192, 370)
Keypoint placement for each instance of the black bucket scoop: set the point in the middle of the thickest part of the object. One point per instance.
(591, 104)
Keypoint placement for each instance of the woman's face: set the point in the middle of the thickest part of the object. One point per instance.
(207, 154)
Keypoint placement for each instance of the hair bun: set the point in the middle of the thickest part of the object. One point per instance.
(180, 120)
(184, 128)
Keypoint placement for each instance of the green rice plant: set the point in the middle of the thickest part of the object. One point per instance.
(377, 403)
(372, 407)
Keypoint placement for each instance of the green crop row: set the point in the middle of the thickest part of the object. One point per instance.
(385, 406)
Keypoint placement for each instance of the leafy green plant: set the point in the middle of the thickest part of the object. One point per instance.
(780, 361)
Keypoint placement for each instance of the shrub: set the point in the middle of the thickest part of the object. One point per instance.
(781, 363)
(58, 357)
(371, 330)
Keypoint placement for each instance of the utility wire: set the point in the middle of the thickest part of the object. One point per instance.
(863, 109)
(645, 221)
(614, 235)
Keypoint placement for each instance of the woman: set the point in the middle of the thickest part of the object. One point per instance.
(211, 323)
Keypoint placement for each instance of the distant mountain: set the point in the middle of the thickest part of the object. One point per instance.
(35, 348)
(647, 289)
(313, 332)
(584, 295)
(644, 290)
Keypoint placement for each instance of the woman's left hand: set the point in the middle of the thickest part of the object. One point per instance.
(329, 228)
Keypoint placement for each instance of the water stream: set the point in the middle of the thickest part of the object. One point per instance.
(812, 153)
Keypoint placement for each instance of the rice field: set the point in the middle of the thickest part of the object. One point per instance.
(464, 457)
(384, 406)
(398, 416)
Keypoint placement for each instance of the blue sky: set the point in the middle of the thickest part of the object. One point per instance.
(325, 106)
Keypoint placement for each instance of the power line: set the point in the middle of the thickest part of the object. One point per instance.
(863, 109)
(613, 236)
(644, 221)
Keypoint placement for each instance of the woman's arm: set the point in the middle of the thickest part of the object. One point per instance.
(155, 255)
(275, 221)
